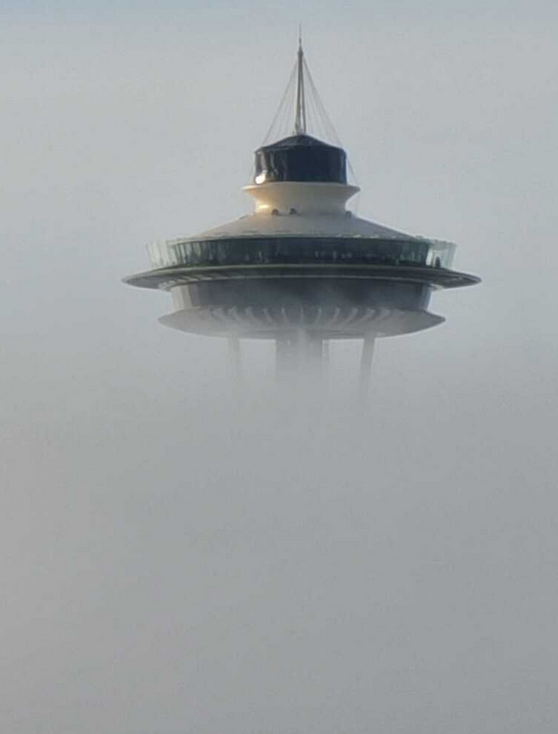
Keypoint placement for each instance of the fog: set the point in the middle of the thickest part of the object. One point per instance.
(183, 553)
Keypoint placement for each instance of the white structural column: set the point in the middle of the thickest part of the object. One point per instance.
(285, 357)
(366, 365)
(298, 353)
(235, 357)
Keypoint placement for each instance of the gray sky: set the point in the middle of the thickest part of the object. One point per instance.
(178, 555)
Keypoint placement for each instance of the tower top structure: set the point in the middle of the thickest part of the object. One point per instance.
(301, 269)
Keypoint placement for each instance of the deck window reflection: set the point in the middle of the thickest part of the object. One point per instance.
(306, 251)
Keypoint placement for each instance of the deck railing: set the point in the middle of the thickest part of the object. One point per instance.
(301, 250)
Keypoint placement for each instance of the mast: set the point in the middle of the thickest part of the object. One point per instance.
(300, 116)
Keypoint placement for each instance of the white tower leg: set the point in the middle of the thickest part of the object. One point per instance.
(236, 357)
(366, 365)
(299, 354)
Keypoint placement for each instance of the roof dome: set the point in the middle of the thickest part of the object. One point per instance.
(300, 157)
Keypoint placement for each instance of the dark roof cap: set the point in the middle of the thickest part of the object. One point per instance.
(301, 158)
(299, 141)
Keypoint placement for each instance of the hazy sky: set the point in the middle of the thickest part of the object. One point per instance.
(180, 555)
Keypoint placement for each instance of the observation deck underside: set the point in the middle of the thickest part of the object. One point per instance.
(317, 322)
(323, 308)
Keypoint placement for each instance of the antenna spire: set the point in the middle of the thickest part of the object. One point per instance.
(300, 116)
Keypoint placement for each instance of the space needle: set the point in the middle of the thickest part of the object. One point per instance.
(302, 269)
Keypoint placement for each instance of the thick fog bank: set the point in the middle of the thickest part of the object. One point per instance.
(181, 552)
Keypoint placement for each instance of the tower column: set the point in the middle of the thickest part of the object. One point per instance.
(366, 365)
(235, 354)
(296, 350)
(285, 357)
